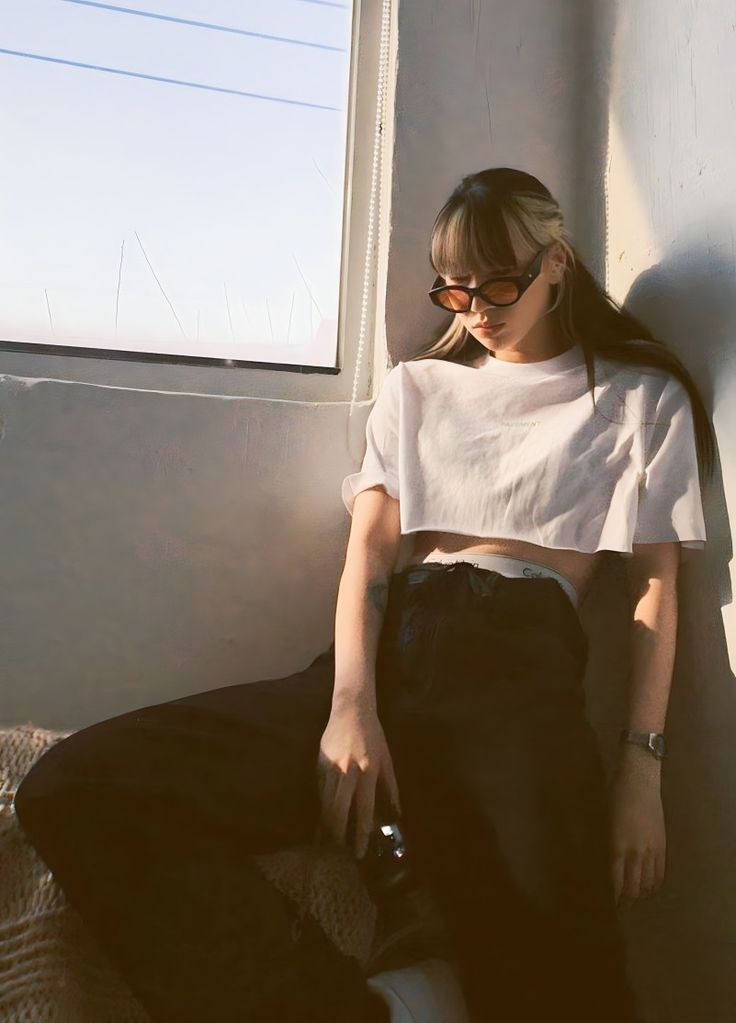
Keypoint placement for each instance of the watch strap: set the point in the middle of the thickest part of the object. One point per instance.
(653, 741)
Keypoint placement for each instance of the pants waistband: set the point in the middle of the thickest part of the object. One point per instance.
(508, 566)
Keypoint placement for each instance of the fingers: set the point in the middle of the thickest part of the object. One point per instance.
(637, 875)
(647, 883)
(626, 875)
(632, 875)
(388, 777)
(326, 784)
(342, 789)
(338, 791)
(365, 798)
(341, 802)
(328, 780)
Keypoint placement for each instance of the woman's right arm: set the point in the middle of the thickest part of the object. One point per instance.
(354, 754)
(362, 596)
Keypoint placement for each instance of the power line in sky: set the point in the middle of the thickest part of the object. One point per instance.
(169, 81)
(203, 24)
(326, 3)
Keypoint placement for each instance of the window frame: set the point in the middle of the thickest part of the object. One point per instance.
(285, 381)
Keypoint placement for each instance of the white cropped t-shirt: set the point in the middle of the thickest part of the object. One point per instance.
(516, 450)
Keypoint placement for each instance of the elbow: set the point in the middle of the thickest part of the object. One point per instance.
(653, 564)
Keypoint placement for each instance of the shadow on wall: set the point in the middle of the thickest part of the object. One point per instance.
(681, 939)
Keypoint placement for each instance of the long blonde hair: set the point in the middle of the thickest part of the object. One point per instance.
(495, 213)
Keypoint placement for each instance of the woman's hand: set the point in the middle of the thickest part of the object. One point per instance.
(638, 832)
(353, 757)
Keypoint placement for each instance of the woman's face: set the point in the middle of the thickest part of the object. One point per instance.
(521, 327)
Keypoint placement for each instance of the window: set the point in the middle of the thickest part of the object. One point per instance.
(175, 175)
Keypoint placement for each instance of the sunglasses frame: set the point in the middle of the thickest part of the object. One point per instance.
(522, 282)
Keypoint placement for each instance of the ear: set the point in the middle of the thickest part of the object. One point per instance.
(557, 262)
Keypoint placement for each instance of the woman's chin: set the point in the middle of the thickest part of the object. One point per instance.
(493, 344)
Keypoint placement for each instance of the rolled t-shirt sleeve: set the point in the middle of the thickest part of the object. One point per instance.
(670, 503)
(381, 459)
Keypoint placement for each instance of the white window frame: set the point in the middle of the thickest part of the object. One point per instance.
(361, 347)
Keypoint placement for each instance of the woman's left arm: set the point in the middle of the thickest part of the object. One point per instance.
(638, 832)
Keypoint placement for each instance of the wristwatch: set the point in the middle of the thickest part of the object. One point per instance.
(653, 741)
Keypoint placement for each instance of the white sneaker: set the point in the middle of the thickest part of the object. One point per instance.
(425, 992)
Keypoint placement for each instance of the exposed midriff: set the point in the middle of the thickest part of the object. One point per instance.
(577, 566)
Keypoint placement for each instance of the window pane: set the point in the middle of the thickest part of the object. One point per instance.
(184, 195)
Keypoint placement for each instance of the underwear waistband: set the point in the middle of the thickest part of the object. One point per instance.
(508, 566)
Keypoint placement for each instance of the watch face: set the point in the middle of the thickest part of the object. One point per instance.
(657, 742)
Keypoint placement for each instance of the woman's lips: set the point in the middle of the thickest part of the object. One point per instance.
(491, 329)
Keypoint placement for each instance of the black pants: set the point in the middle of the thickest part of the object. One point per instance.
(147, 819)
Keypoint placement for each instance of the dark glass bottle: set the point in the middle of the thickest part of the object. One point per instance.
(386, 866)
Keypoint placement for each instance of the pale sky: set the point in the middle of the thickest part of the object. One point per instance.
(236, 201)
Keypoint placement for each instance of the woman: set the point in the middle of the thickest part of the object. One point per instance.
(453, 687)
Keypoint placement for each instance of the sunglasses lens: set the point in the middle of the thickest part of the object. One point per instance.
(501, 292)
(497, 292)
(453, 299)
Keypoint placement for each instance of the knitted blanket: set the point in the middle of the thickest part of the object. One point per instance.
(52, 970)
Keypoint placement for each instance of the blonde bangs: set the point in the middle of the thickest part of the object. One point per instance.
(466, 237)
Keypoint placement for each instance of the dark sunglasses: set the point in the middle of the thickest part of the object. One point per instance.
(500, 291)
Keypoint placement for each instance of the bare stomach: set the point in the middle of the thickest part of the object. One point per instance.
(577, 566)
